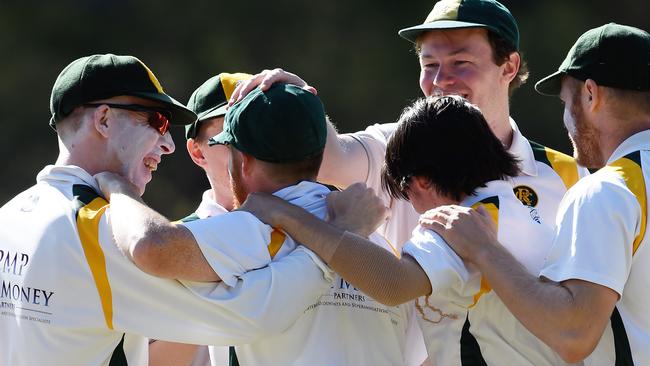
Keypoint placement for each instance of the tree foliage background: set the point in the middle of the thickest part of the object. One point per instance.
(349, 50)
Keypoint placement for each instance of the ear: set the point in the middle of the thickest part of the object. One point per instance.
(593, 95)
(511, 66)
(420, 184)
(247, 164)
(101, 121)
(194, 149)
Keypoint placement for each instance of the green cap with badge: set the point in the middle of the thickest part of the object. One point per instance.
(283, 124)
(210, 100)
(98, 77)
(452, 14)
(613, 55)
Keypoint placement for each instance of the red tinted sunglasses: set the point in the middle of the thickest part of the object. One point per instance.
(158, 117)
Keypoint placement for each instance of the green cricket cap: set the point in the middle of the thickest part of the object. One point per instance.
(612, 55)
(451, 14)
(97, 77)
(280, 125)
(210, 100)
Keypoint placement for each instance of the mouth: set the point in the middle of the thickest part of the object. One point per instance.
(445, 92)
(151, 163)
(464, 95)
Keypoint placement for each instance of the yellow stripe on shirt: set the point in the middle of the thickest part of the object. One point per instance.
(277, 239)
(629, 168)
(88, 218)
(564, 165)
(493, 210)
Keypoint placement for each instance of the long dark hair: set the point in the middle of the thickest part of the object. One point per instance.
(446, 140)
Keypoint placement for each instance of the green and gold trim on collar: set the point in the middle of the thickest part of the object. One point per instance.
(564, 165)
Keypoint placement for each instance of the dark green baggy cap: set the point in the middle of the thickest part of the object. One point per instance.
(451, 14)
(98, 77)
(281, 125)
(612, 55)
(210, 100)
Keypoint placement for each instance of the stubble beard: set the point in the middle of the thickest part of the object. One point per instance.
(585, 139)
(239, 193)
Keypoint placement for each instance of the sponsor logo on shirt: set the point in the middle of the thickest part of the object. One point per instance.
(343, 294)
(17, 299)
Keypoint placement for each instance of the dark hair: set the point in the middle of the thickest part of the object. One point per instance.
(447, 141)
(501, 51)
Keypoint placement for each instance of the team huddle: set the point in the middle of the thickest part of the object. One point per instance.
(444, 238)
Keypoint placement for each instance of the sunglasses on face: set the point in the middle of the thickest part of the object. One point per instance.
(158, 117)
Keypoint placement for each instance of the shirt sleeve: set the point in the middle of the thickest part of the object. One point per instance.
(446, 271)
(374, 140)
(597, 222)
(232, 243)
(261, 302)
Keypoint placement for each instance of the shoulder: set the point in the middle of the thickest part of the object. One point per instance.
(604, 190)
(563, 165)
(378, 131)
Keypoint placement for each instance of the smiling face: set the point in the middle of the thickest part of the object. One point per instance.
(460, 61)
(213, 159)
(133, 148)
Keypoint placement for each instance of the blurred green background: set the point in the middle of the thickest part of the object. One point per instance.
(349, 50)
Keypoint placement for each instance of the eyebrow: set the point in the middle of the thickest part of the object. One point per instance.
(452, 53)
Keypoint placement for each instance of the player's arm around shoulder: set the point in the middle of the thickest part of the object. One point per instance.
(568, 314)
(345, 160)
(156, 245)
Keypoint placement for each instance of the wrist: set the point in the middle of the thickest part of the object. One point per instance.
(484, 253)
(285, 216)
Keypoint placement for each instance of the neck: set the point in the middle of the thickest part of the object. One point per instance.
(620, 131)
(72, 154)
(268, 186)
(223, 198)
(499, 123)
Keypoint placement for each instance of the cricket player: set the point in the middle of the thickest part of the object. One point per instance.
(68, 295)
(590, 298)
(276, 140)
(209, 101)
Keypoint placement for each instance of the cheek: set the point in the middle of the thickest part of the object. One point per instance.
(474, 80)
(426, 82)
(569, 122)
(217, 159)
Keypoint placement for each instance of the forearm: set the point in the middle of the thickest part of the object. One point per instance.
(367, 266)
(133, 222)
(377, 272)
(558, 315)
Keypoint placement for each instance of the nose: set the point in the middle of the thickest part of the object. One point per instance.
(443, 78)
(167, 143)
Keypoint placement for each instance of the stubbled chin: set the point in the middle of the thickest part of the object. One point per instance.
(141, 178)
